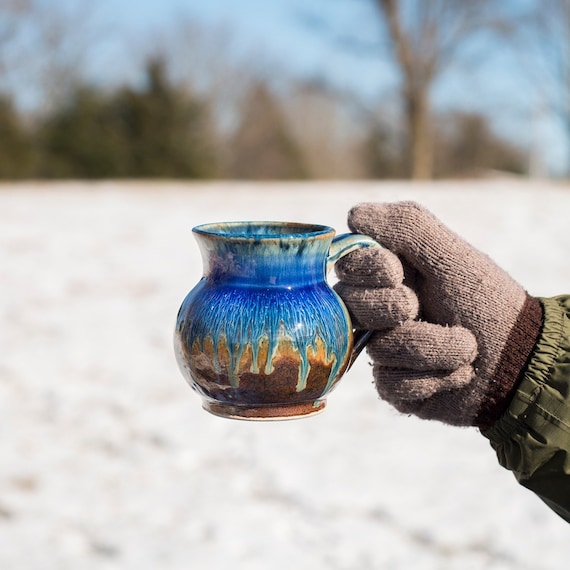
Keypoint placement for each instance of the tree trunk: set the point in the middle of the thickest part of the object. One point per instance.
(417, 73)
(420, 144)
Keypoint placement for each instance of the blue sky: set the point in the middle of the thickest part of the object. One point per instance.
(276, 28)
(304, 38)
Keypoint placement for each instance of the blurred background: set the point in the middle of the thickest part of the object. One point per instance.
(288, 89)
(124, 123)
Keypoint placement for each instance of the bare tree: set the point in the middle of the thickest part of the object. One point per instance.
(426, 37)
(263, 145)
(326, 131)
(43, 49)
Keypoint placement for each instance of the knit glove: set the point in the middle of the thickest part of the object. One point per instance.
(453, 330)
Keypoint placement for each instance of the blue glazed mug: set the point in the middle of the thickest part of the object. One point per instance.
(262, 335)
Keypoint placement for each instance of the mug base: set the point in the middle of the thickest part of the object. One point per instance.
(265, 413)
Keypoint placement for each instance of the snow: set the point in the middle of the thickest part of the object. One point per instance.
(107, 460)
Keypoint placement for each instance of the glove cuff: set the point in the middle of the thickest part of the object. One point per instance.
(512, 363)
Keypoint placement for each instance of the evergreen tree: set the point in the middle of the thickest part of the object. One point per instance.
(16, 156)
(168, 132)
(82, 139)
(381, 154)
(155, 132)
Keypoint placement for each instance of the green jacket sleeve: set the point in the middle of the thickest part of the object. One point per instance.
(532, 439)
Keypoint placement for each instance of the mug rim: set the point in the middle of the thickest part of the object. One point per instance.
(242, 230)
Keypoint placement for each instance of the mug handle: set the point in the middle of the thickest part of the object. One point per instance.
(342, 245)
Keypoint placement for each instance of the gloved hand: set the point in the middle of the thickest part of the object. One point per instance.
(453, 330)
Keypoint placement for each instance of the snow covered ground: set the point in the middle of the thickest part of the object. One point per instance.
(107, 460)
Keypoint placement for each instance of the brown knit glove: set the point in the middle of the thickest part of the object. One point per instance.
(454, 331)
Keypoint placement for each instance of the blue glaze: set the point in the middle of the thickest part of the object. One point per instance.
(300, 314)
(264, 283)
(264, 254)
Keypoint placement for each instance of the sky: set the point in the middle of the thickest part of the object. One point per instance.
(300, 37)
(286, 31)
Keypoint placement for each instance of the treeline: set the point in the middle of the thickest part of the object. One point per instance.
(163, 130)
(155, 131)
(187, 102)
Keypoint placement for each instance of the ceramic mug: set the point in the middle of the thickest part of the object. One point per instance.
(263, 335)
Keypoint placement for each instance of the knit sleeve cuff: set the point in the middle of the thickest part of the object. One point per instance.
(512, 363)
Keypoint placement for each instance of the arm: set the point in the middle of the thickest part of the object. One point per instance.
(532, 438)
(457, 340)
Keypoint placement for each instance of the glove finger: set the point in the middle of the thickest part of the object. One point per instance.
(408, 229)
(451, 407)
(397, 385)
(419, 345)
(372, 267)
(378, 308)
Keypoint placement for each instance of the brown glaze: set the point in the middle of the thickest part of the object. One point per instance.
(268, 389)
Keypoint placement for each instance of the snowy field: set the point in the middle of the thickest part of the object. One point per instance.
(107, 460)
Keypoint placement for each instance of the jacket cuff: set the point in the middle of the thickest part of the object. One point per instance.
(512, 363)
(532, 438)
(535, 376)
